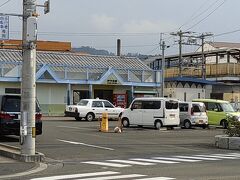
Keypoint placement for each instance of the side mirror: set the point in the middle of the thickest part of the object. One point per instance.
(131, 108)
(216, 110)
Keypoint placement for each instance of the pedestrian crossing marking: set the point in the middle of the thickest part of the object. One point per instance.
(106, 164)
(163, 160)
(71, 176)
(200, 158)
(131, 162)
(158, 178)
(155, 161)
(176, 159)
(222, 157)
(116, 177)
(105, 175)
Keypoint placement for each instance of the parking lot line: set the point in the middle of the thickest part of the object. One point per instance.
(84, 144)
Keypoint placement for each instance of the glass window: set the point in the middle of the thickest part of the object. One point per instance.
(137, 105)
(183, 107)
(108, 104)
(97, 104)
(82, 103)
(151, 105)
(227, 107)
(196, 108)
(171, 104)
(13, 104)
(211, 106)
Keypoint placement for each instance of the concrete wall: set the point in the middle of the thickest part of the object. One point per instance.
(192, 91)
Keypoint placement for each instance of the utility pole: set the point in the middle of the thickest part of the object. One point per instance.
(28, 86)
(181, 35)
(163, 46)
(202, 37)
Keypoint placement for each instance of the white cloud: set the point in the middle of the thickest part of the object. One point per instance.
(147, 26)
(102, 22)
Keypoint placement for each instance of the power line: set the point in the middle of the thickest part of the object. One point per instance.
(207, 15)
(93, 34)
(226, 33)
(197, 15)
(5, 3)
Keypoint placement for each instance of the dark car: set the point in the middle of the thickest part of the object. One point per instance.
(10, 115)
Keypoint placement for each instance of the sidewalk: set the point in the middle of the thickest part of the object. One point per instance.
(14, 164)
(10, 167)
(57, 118)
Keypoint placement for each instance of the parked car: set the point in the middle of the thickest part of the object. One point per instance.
(218, 111)
(10, 115)
(193, 114)
(157, 112)
(91, 109)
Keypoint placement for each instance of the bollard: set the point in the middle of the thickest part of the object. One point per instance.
(104, 123)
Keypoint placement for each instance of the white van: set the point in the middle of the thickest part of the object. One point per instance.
(152, 111)
(193, 114)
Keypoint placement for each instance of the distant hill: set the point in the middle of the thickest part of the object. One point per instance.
(92, 51)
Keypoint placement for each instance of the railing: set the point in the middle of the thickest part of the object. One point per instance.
(212, 70)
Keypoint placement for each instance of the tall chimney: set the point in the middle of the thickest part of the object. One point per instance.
(118, 47)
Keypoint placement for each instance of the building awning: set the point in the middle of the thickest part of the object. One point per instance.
(188, 79)
(145, 92)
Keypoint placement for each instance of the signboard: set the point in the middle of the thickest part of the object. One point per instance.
(4, 27)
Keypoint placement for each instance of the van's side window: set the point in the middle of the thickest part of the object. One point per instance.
(213, 106)
(183, 107)
(151, 105)
(137, 105)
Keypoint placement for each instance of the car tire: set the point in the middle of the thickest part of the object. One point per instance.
(125, 122)
(90, 117)
(78, 118)
(158, 125)
(187, 124)
(224, 124)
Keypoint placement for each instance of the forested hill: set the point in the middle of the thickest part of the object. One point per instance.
(92, 51)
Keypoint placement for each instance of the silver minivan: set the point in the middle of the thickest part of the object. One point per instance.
(192, 114)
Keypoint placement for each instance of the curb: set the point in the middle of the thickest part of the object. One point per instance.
(226, 142)
(15, 153)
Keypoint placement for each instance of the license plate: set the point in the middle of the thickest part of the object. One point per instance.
(200, 121)
(172, 115)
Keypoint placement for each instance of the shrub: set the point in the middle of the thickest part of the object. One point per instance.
(233, 126)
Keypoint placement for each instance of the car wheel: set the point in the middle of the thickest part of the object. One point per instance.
(224, 124)
(78, 118)
(187, 124)
(125, 122)
(158, 125)
(89, 116)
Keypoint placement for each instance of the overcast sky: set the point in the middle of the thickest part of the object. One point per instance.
(138, 23)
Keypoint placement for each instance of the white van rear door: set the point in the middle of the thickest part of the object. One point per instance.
(171, 113)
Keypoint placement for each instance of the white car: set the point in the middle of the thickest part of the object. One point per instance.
(91, 109)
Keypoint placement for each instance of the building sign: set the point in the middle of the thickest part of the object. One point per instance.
(112, 80)
(4, 27)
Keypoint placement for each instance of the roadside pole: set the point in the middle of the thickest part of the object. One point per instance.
(28, 86)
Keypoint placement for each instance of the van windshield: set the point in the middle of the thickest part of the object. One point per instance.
(171, 104)
(227, 107)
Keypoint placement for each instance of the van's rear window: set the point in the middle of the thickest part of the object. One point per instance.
(171, 104)
(13, 104)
